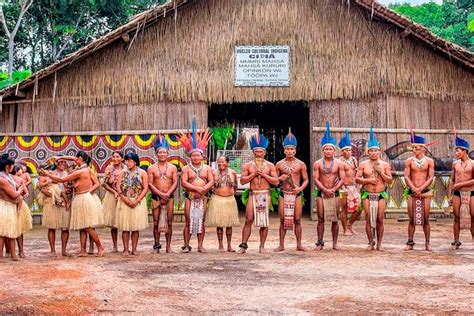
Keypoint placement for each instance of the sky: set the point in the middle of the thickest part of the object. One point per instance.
(414, 2)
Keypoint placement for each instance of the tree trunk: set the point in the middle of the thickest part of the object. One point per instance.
(11, 55)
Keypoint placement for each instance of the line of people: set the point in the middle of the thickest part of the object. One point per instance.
(342, 186)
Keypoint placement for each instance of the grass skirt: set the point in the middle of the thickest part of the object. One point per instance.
(132, 219)
(109, 209)
(99, 209)
(9, 220)
(222, 212)
(25, 221)
(85, 212)
(54, 216)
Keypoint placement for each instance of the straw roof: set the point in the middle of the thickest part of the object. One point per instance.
(175, 23)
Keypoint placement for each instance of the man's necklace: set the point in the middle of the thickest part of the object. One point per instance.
(420, 163)
(289, 169)
(349, 162)
(163, 174)
(328, 170)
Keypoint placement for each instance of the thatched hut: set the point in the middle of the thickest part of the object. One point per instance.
(353, 62)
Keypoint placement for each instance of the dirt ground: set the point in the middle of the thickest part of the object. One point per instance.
(350, 280)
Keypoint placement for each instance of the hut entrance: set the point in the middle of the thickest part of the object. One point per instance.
(273, 119)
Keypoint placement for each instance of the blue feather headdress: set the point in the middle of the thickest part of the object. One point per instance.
(327, 138)
(345, 142)
(461, 143)
(259, 141)
(373, 142)
(290, 140)
(161, 142)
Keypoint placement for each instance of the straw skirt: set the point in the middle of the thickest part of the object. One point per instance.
(9, 218)
(99, 209)
(222, 212)
(54, 216)
(132, 219)
(85, 212)
(25, 221)
(109, 210)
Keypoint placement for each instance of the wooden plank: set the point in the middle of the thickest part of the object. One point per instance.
(445, 114)
(7, 123)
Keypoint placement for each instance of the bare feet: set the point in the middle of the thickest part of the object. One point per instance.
(53, 254)
(242, 250)
(408, 248)
(371, 246)
(347, 232)
(319, 247)
(22, 255)
(201, 249)
(125, 253)
(428, 247)
(114, 250)
(169, 250)
(221, 249)
(279, 248)
(101, 251)
(379, 248)
(134, 253)
(81, 254)
(66, 254)
(335, 247)
(261, 249)
(301, 248)
(230, 249)
(15, 258)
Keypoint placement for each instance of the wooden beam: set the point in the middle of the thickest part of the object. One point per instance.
(20, 94)
(406, 32)
(102, 133)
(392, 130)
(126, 37)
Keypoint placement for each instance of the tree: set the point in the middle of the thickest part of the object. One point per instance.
(24, 5)
(452, 20)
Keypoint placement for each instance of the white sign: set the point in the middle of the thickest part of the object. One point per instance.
(264, 66)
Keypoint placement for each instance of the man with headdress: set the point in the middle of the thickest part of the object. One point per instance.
(350, 190)
(328, 176)
(260, 173)
(419, 174)
(374, 175)
(461, 191)
(293, 176)
(197, 179)
(162, 181)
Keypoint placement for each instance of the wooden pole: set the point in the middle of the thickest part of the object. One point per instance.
(392, 130)
(101, 133)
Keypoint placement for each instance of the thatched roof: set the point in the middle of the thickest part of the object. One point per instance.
(129, 31)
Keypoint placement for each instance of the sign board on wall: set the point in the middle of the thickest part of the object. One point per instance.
(262, 66)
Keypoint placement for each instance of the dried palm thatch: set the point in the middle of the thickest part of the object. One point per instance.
(337, 52)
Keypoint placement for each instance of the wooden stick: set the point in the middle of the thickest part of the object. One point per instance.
(102, 133)
(392, 130)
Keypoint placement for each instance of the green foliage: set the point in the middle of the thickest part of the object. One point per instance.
(52, 29)
(452, 20)
(222, 134)
(274, 195)
(17, 76)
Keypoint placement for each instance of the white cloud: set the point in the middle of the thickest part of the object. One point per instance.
(414, 2)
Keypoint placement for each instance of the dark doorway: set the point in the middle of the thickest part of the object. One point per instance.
(273, 119)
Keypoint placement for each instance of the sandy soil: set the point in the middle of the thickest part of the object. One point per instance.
(351, 280)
